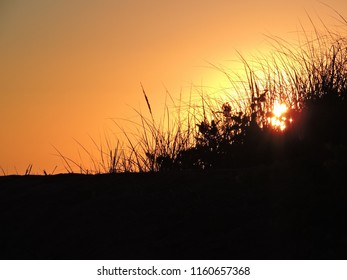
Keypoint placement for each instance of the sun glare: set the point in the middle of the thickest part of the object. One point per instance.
(278, 120)
(279, 109)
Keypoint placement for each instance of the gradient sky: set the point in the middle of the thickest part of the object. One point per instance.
(67, 66)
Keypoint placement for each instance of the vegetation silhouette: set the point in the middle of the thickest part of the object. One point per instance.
(309, 79)
(315, 124)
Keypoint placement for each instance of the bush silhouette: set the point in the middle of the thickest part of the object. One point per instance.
(315, 122)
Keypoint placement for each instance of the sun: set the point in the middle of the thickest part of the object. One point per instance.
(279, 120)
(279, 109)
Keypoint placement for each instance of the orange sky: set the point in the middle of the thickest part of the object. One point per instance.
(67, 66)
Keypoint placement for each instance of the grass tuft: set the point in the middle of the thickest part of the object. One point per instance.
(308, 78)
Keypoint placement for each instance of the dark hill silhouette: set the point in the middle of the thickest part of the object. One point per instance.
(283, 211)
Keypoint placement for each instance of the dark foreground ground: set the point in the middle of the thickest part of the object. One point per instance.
(296, 211)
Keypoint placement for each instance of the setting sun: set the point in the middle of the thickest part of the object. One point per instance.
(279, 119)
(279, 109)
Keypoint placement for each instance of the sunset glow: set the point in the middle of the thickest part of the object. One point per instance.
(68, 67)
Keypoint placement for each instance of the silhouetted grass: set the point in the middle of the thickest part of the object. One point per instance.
(310, 78)
(3, 171)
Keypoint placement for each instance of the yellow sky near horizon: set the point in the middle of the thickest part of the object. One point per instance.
(67, 66)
